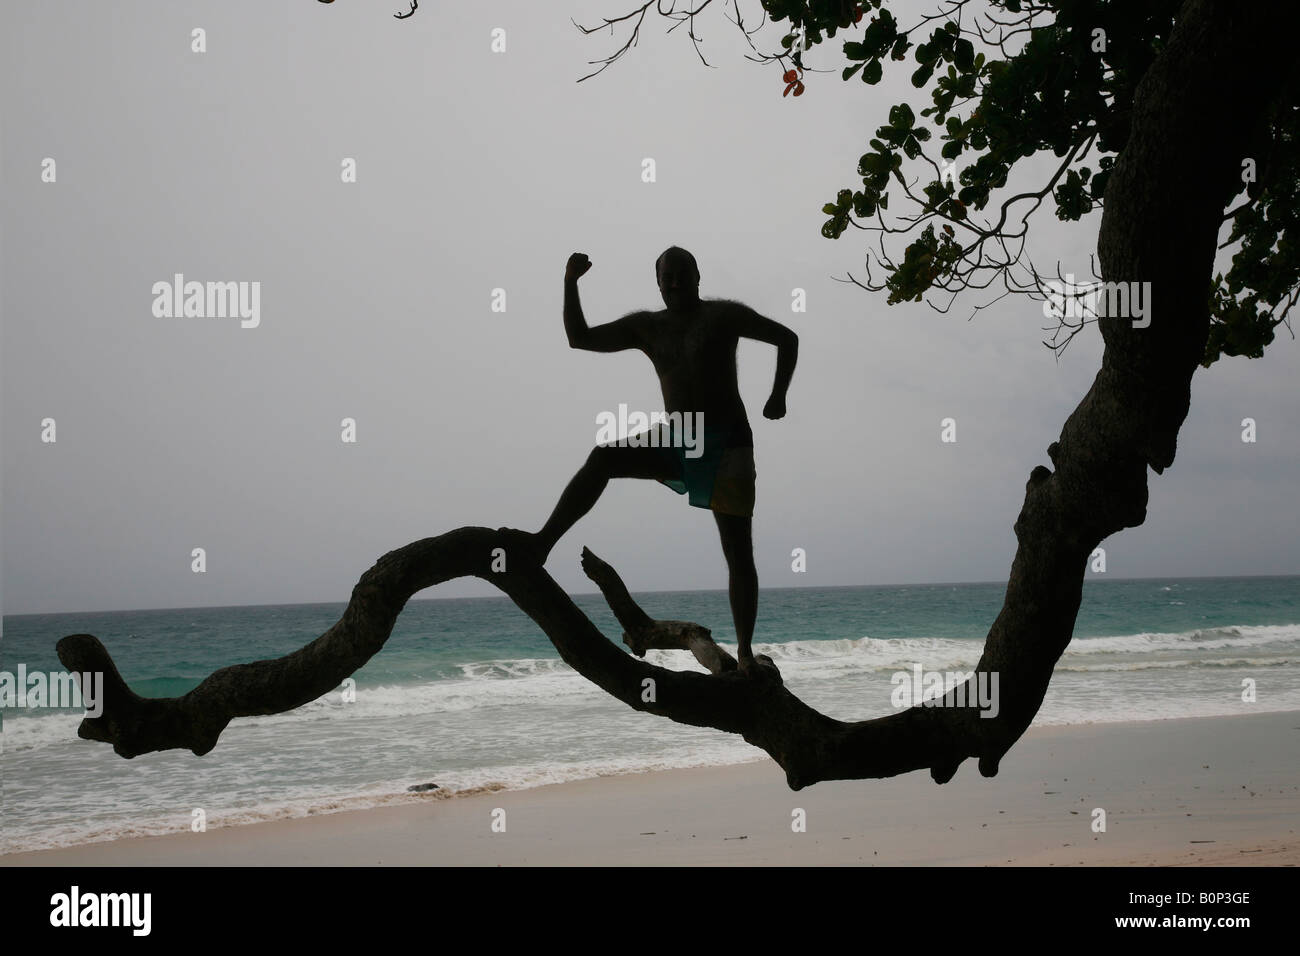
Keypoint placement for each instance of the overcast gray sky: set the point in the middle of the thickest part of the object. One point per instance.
(479, 170)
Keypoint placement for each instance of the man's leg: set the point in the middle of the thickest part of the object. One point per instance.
(738, 548)
(585, 488)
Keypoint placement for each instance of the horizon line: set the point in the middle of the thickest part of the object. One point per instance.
(723, 590)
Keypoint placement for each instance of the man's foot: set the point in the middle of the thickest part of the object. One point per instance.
(523, 548)
(759, 667)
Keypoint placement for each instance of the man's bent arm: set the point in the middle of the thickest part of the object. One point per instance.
(787, 354)
(614, 336)
(749, 324)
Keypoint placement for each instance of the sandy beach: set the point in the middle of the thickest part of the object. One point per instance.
(1201, 791)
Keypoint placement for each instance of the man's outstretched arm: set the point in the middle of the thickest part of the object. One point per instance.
(613, 336)
(747, 323)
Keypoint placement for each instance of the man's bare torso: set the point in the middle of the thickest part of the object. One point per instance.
(694, 355)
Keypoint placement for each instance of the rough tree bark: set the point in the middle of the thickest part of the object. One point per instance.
(1206, 93)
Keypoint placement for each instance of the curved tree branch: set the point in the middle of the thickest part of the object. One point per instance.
(808, 745)
(642, 634)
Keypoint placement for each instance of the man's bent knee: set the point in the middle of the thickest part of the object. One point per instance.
(627, 461)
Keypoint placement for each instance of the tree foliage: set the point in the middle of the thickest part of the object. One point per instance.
(1004, 81)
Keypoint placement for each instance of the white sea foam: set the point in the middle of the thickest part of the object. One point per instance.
(532, 683)
(119, 818)
(1214, 638)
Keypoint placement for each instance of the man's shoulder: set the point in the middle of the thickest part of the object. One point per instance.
(641, 325)
(725, 315)
(724, 306)
(642, 316)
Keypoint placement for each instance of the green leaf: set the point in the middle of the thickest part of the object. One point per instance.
(901, 116)
(963, 54)
(870, 163)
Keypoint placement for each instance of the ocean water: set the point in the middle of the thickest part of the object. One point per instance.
(469, 694)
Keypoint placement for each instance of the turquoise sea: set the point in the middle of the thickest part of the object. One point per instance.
(468, 693)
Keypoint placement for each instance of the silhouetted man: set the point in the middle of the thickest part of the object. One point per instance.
(692, 344)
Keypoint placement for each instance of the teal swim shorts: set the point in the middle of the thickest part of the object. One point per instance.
(721, 478)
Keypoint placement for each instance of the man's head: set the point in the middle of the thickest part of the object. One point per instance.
(679, 279)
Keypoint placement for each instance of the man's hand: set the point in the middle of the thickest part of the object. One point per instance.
(577, 266)
(775, 407)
